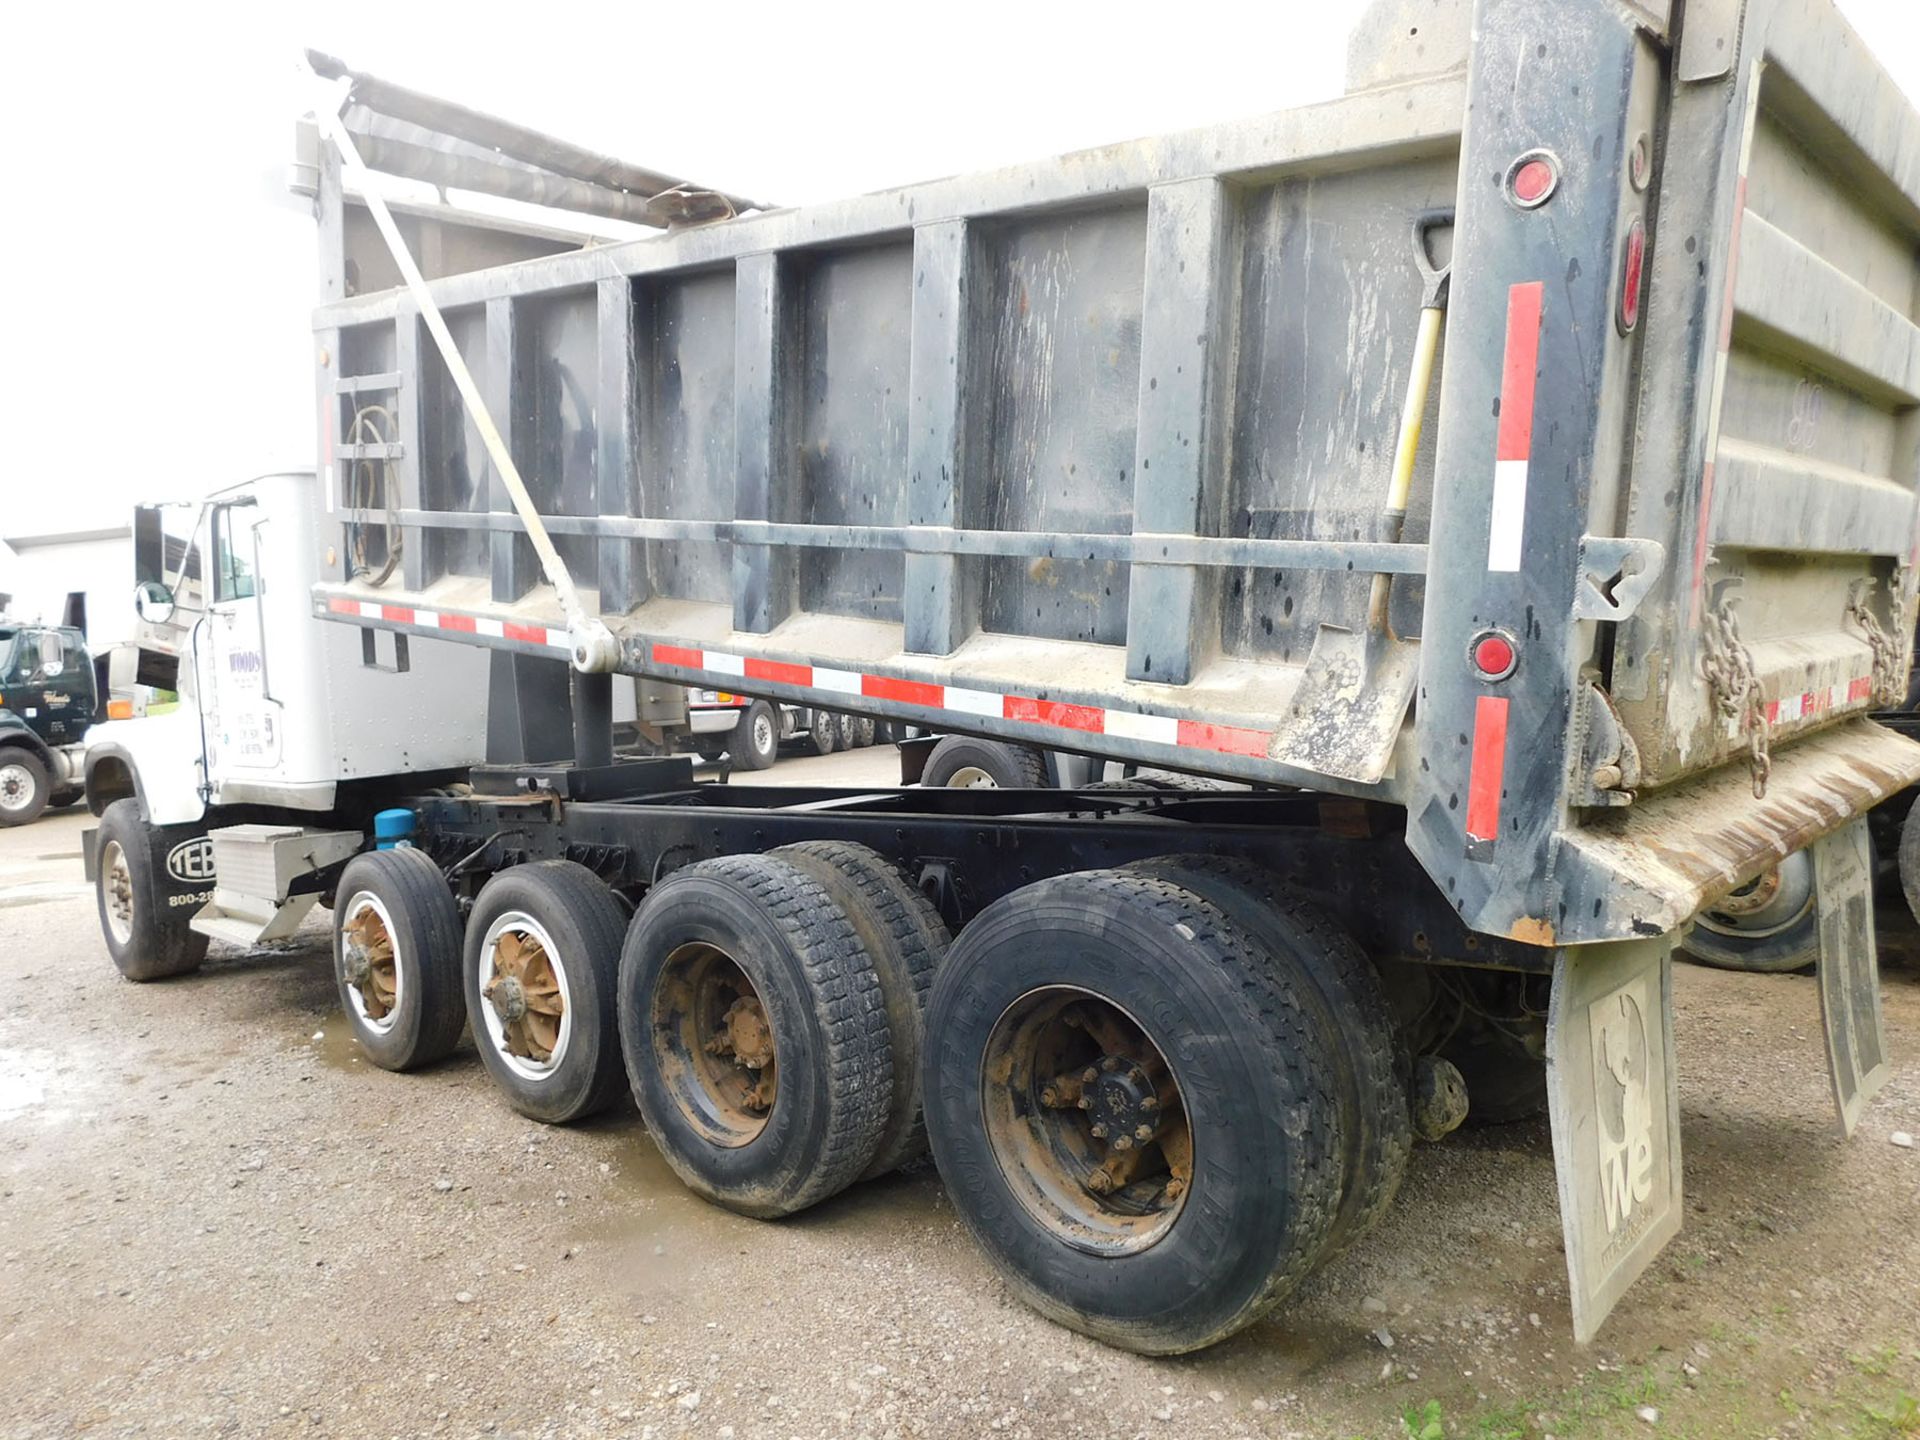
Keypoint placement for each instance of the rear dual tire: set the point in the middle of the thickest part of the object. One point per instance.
(1185, 1001)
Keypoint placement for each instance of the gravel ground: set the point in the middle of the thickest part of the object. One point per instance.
(218, 1220)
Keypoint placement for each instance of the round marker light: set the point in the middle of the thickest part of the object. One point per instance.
(1494, 655)
(1531, 179)
(1632, 266)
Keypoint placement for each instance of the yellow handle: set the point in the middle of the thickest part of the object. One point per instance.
(1424, 349)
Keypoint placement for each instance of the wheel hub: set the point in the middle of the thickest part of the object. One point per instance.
(524, 992)
(358, 966)
(745, 1034)
(508, 998)
(14, 787)
(1122, 1105)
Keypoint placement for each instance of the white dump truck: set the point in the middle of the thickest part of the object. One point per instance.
(1504, 474)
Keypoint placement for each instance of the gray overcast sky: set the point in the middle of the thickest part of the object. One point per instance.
(160, 275)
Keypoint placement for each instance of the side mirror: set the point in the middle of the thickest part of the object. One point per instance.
(153, 602)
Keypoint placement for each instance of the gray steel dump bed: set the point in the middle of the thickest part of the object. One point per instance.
(1096, 452)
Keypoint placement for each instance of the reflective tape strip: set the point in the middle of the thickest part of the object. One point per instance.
(1487, 769)
(991, 704)
(1513, 444)
(928, 695)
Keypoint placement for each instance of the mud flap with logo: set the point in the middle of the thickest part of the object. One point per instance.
(1616, 1116)
(1849, 969)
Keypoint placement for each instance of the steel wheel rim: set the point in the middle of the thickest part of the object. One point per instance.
(521, 983)
(16, 787)
(763, 740)
(116, 888)
(1766, 905)
(377, 988)
(714, 1044)
(1056, 1112)
(971, 777)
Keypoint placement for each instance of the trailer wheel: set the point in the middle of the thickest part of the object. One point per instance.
(1370, 1065)
(824, 730)
(755, 1034)
(961, 762)
(1129, 1103)
(542, 956)
(396, 958)
(1910, 861)
(845, 724)
(907, 940)
(148, 937)
(756, 737)
(24, 786)
(1767, 927)
(863, 731)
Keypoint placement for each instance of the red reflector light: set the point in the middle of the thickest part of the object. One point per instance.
(1531, 179)
(1494, 656)
(1632, 266)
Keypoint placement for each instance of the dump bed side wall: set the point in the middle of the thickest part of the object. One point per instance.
(1101, 438)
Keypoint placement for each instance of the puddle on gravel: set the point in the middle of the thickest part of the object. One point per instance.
(336, 1047)
(652, 1228)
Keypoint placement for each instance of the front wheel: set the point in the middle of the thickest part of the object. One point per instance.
(1129, 1107)
(756, 737)
(961, 762)
(396, 958)
(824, 730)
(25, 787)
(145, 915)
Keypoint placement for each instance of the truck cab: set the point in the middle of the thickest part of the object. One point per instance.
(48, 698)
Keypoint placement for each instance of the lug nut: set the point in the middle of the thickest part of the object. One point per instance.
(1085, 1103)
(1143, 1132)
(1150, 1102)
(1123, 1142)
(1089, 1075)
(1049, 1096)
(1099, 1131)
(1109, 1063)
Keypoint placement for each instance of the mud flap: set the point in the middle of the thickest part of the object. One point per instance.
(1849, 969)
(1616, 1116)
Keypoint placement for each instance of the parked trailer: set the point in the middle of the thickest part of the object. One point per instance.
(1120, 454)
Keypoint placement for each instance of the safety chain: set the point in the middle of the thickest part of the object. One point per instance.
(1728, 666)
(1888, 686)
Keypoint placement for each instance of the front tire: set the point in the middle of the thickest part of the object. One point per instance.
(148, 937)
(756, 737)
(1170, 1021)
(396, 958)
(25, 787)
(541, 959)
(824, 730)
(962, 762)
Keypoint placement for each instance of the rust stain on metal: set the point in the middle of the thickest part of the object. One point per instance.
(1529, 931)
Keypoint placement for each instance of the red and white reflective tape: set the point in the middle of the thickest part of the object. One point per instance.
(1838, 696)
(989, 704)
(459, 624)
(1506, 527)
